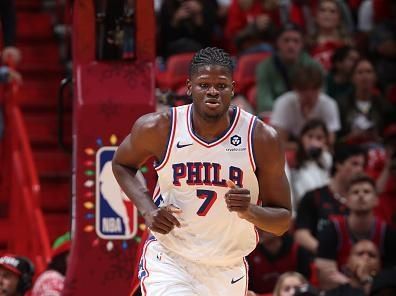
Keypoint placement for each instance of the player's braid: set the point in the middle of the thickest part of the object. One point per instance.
(211, 56)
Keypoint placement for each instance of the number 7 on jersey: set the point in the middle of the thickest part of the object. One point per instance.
(210, 197)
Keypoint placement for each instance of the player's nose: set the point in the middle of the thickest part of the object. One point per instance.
(212, 91)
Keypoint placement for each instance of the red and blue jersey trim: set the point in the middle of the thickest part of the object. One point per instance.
(171, 137)
(252, 125)
(142, 266)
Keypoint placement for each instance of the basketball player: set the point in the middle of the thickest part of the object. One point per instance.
(220, 175)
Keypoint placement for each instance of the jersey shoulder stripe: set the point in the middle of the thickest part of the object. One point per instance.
(171, 137)
(252, 125)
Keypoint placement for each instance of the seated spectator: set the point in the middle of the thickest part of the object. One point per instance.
(293, 109)
(185, 26)
(330, 32)
(51, 281)
(273, 75)
(338, 237)
(338, 80)
(302, 12)
(364, 113)
(288, 283)
(252, 24)
(383, 46)
(313, 159)
(362, 265)
(16, 275)
(317, 205)
(273, 256)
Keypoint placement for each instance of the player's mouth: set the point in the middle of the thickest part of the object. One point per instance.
(212, 103)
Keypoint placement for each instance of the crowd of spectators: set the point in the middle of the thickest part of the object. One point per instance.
(326, 85)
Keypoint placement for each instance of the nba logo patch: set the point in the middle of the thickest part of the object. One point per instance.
(116, 216)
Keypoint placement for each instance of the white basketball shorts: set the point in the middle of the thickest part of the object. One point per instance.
(162, 273)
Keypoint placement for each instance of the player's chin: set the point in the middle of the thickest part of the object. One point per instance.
(215, 113)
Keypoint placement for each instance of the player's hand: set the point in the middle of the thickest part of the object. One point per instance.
(238, 199)
(162, 220)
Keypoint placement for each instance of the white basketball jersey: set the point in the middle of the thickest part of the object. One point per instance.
(192, 176)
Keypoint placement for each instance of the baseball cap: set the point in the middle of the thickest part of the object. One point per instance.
(16, 264)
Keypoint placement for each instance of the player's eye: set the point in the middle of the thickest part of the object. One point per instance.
(203, 85)
(221, 86)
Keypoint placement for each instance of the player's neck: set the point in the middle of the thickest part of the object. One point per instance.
(210, 130)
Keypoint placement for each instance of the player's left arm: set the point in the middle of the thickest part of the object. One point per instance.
(274, 215)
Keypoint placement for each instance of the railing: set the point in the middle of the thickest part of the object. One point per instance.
(29, 234)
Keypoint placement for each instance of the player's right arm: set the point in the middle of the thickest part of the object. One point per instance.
(148, 138)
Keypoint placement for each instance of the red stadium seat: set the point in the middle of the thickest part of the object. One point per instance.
(245, 71)
(176, 72)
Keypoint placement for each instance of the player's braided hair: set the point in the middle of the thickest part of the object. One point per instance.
(211, 56)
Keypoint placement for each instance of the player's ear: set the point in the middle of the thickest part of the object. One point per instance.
(233, 87)
(189, 86)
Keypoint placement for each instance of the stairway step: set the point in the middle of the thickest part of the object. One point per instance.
(57, 224)
(42, 127)
(28, 5)
(39, 53)
(37, 93)
(34, 26)
(42, 69)
(51, 162)
(55, 194)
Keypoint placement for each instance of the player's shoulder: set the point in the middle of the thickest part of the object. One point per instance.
(264, 132)
(154, 122)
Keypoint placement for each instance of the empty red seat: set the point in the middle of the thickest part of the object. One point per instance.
(176, 73)
(245, 71)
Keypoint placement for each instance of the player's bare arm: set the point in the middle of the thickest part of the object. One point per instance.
(147, 139)
(275, 213)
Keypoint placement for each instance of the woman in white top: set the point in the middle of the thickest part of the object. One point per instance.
(313, 160)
